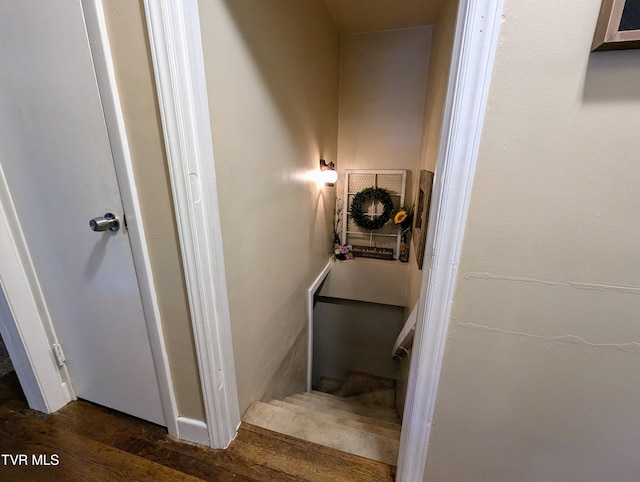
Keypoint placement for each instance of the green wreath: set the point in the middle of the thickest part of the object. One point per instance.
(367, 195)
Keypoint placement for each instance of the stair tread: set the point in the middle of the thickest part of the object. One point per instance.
(379, 398)
(392, 432)
(307, 460)
(334, 435)
(350, 406)
(359, 400)
(336, 411)
(358, 383)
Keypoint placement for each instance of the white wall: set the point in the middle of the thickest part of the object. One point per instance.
(272, 77)
(539, 379)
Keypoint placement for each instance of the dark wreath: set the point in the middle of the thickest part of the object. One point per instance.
(367, 195)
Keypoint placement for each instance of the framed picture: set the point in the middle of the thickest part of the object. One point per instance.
(421, 218)
(618, 25)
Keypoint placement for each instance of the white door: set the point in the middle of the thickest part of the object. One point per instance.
(55, 152)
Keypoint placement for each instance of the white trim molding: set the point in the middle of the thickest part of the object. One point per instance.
(476, 36)
(105, 75)
(310, 295)
(192, 430)
(176, 50)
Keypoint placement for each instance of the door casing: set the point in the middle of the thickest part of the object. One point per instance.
(174, 32)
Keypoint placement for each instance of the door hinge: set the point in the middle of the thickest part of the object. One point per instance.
(58, 354)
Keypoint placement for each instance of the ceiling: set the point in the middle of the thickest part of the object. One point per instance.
(357, 16)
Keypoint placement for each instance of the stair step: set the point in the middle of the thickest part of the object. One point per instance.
(330, 385)
(304, 460)
(320, 407)
(383, 399)
(352, 416)
(332, 401)
(380, 398)
(358, 383)
(340, 419)
(329, 434)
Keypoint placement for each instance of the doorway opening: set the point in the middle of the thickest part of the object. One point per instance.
(392, 82)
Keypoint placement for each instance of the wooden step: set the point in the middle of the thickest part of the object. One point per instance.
(97, 444)
(343, 420)
(352, 407)
(306, 460)
(329, 434)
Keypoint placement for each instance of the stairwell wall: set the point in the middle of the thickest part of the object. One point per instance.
(272, 78)
(437, 81)
(539, 377)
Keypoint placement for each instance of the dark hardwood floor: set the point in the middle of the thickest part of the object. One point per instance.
(92, 443)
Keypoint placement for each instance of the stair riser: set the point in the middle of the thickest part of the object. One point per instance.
(382, 414)
(348, 421)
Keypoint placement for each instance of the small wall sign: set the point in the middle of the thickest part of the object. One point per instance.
(372, 252)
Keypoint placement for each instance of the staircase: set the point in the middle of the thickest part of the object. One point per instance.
(357, 417)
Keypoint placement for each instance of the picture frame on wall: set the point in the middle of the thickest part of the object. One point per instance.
(618, 25)
(421, 218)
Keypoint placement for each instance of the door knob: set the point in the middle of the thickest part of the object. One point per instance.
(108, 222)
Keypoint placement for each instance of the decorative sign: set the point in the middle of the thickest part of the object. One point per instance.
(372, 252)
(421, 217)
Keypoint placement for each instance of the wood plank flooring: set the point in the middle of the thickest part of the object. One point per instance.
(93, 443)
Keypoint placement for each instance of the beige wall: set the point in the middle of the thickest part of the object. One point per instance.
(539, 379)
(383, 81)
(127, 35)
(272, 74)
(437, 81)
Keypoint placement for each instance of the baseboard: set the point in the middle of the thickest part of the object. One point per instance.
(193, 430)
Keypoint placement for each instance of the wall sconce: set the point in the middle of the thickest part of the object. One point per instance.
(328, 172)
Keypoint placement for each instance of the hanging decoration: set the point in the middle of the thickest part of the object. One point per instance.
(371, 194)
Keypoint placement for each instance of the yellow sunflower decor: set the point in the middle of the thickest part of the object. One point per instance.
(400, 216)
(404, 218)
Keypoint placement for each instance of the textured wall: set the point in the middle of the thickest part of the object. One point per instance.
(437, 81)
(272, 77)
(539, 378)
(383, 81)
(134, 73)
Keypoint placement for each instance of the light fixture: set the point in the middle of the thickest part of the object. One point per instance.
(329, 175)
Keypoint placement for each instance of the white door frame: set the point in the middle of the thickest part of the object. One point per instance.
(27, 323)
(174, 31)
(176, 50)
(475, 40)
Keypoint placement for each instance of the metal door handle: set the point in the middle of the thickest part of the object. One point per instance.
(108, 222)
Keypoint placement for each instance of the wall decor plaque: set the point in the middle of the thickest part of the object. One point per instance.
(372, 252)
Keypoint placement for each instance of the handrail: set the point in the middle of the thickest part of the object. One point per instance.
(403, 342)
